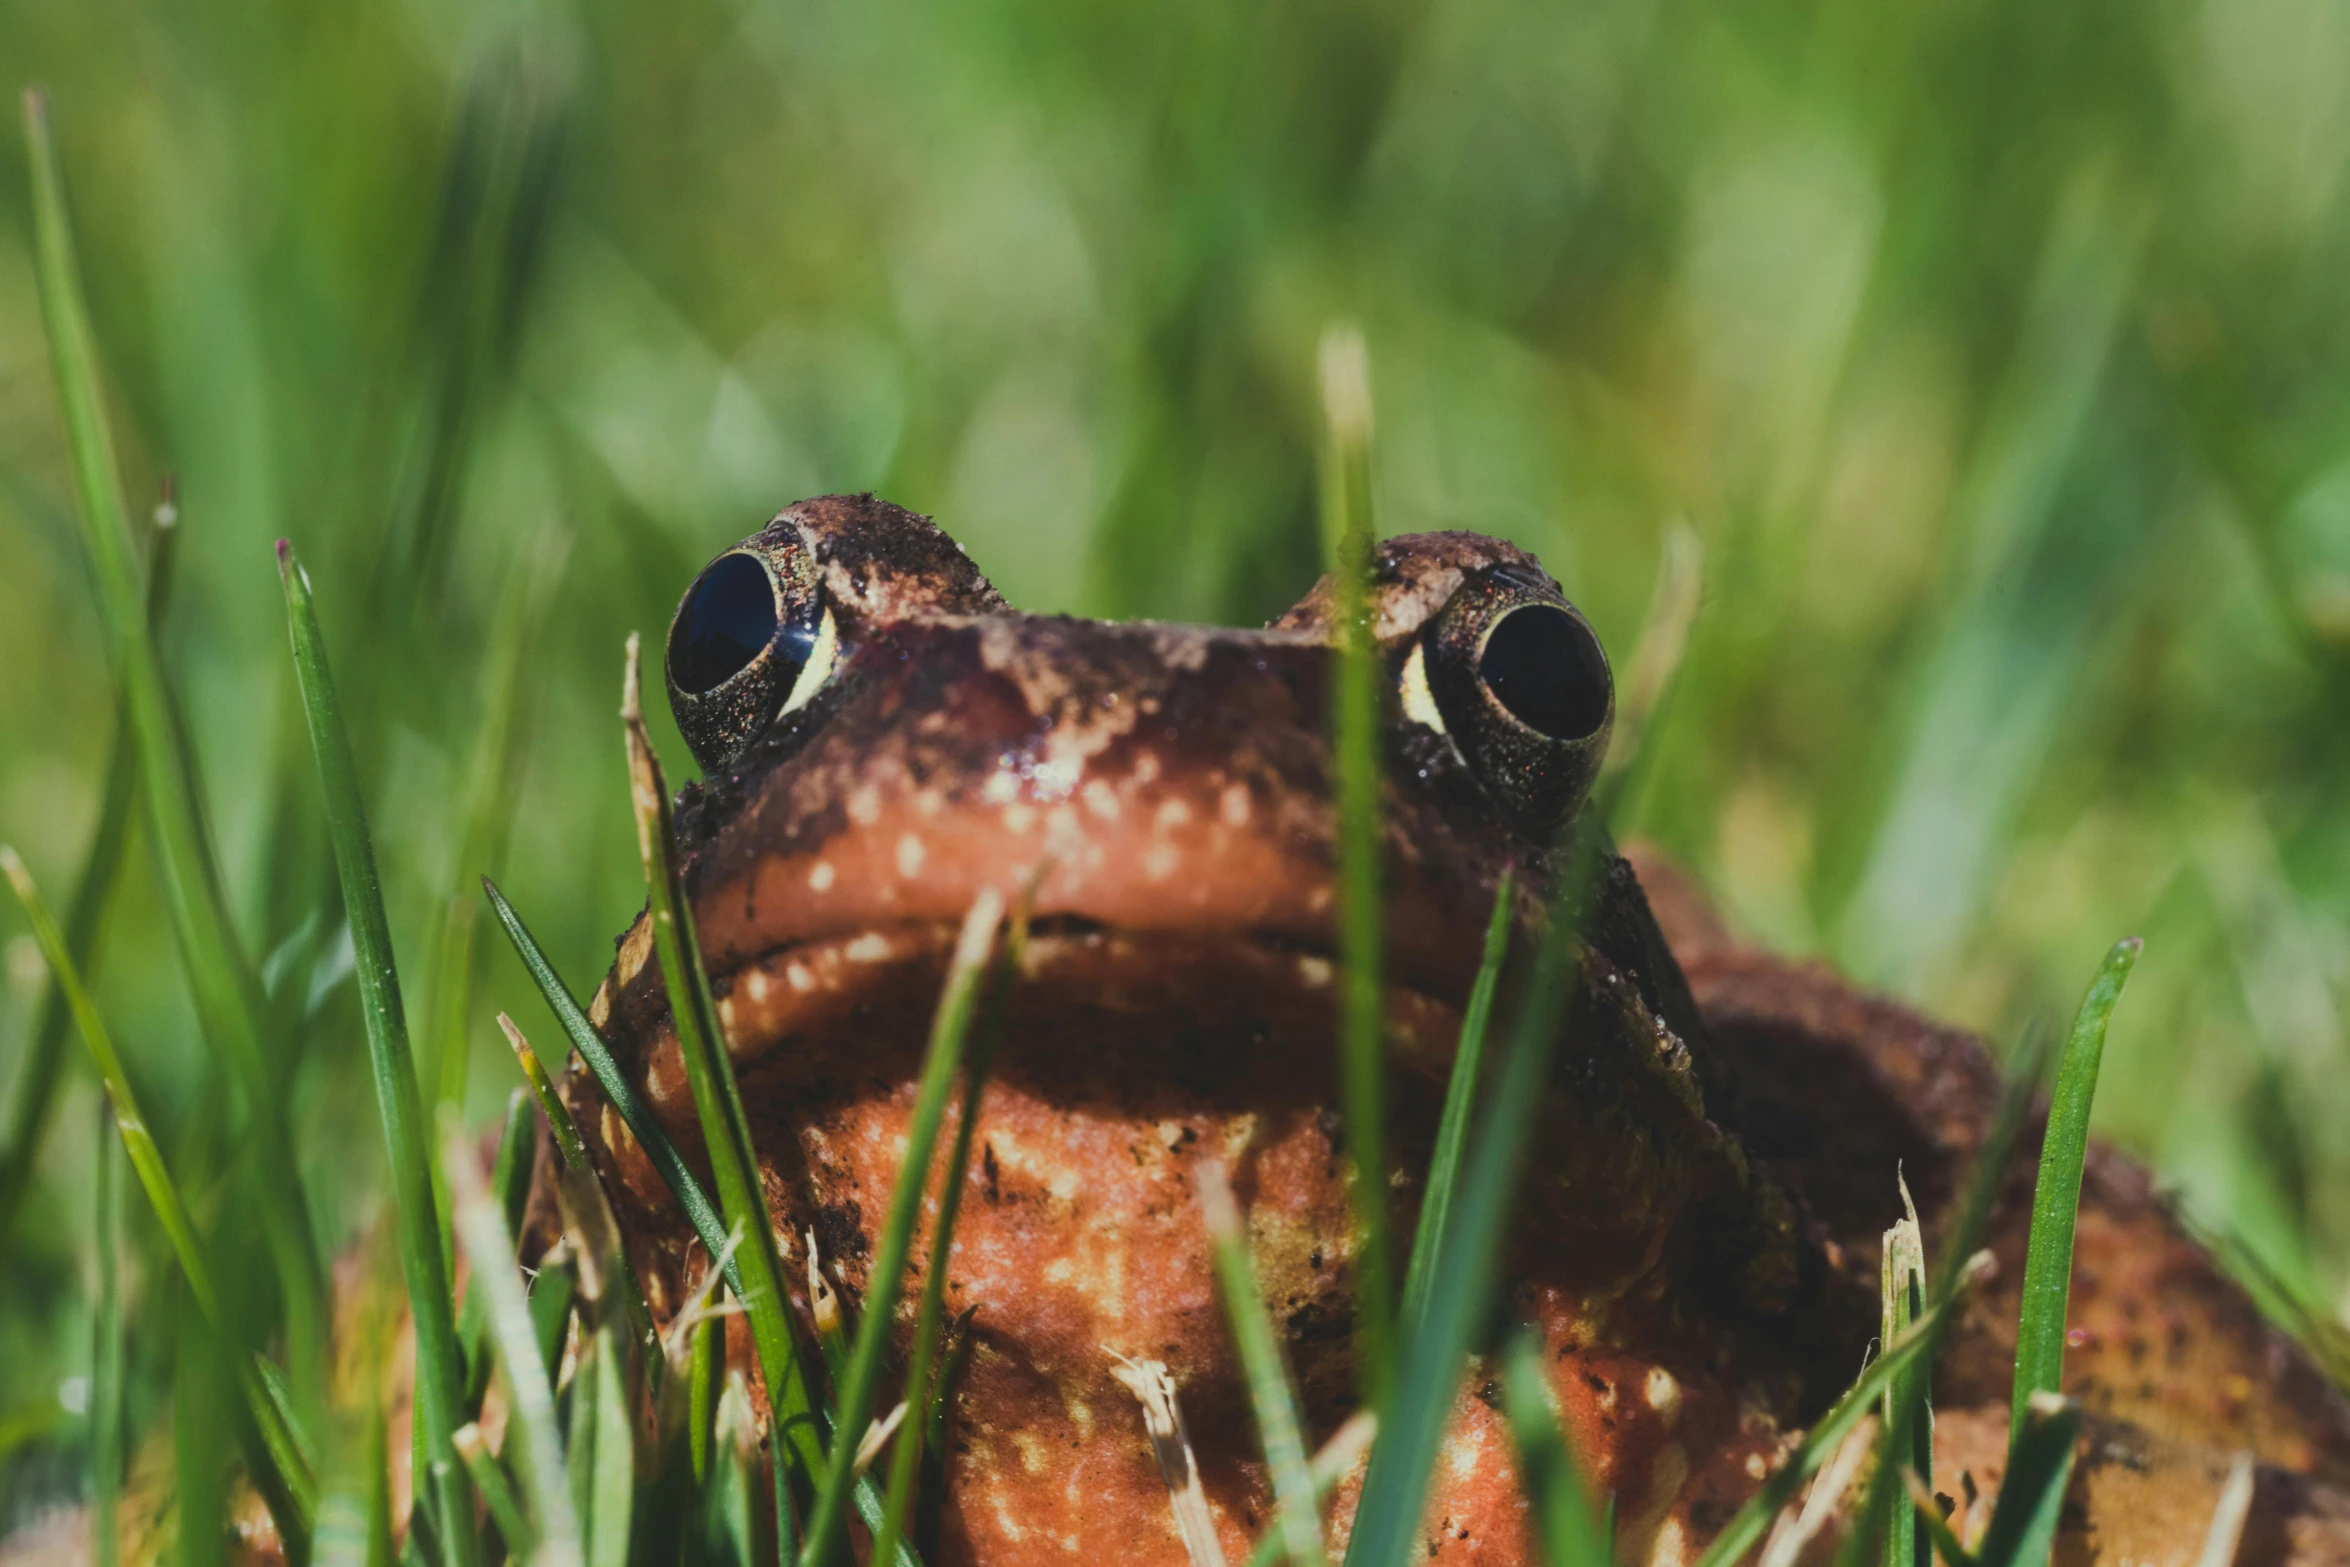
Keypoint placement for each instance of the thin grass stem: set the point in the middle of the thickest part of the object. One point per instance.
(950, 1024)
(106, 1359)
(726, 1130)
(1348, 536)
(281, 1465)
(225, 990)
(440, 1375)
(567, 1144)
(489, 1246)
(85, 913)
(1460, 1096)
(1272, 1398)
(1554, 1482)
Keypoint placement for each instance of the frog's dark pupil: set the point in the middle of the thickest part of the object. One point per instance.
(727, 618)
(1545, 666)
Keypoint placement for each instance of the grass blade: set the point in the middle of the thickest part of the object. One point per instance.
(2228, 1517)
(2031, 1496)
(906, 1455)
(1362, 1075)
(106, 1385)
(440, 1377)
(281, 1467)
(1902, 1297)
(613, 1474)
(1827, 1434)
(489, 1245)
(567, 1143)
(1460, 1096)
(2056, 1194)
(226, 994)
(726, 1130)
(37, 1079)
(1387, 1521)
(510, 1182)
(1565, 1524)
(949, 1025)
(1271, 1395)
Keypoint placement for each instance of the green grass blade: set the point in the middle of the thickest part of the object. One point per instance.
(700, 1211)
(510, 1181)
(1460, 1095)
(226, 994)
(614, 1472)
(1564, 1521)
(1271, 1394)
(281, 1466)
(2031, 1496)
(106, 1359)
(567, 1143)
(705, 1379)
(440, 1377)
(1748, 1524)
(726, 1130)
(2056, 1194)
(949, 1026)
(489, 1245)
(1387, 1522)
(1937, 1528)
(37, 1079)
(497, 1494)
(1348, 535)
(911, 1442)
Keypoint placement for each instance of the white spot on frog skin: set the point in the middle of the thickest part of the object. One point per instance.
(1664, 1395)
(910, 856)
(1233, 805)
(1146, 767)
(1313, 971)
(868, 948)
(1019, 818)
(1173, 814)
(864, 805)
(1607, 1397)
(1756, 1469)
(1063, 1186)
(1002, 786)
(756, 984)
(1056, 776)
(801, 980)
(1102, 800)
(1161, 862)
(1419, 703)
(1671, 1548)
(821, 876)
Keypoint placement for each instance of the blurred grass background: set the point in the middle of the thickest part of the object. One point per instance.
(1996, 352)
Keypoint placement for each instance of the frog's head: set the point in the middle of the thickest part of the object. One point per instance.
(881, 736)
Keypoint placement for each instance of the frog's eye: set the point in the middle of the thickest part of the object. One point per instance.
(753, 639)
(1519, 682)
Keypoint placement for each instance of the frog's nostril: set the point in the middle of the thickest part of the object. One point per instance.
(727, 619)
(1544, 665)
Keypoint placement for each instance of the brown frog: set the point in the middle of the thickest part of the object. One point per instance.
(1696, 1240)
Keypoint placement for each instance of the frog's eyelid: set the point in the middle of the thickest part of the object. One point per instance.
(823, 654)
(1419, 702)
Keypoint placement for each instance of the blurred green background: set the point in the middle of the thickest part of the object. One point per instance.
(1996, 352)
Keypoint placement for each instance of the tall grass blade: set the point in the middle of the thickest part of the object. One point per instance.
(1272, 1397)
(2228, 1517)
(1387, 1521)
(2056, 1194)
(36, 1081)
(1643, 699)
(905, 1458)
(613, 1474)
(943, 1059)
(1460, 1095)
(106, 1360)
(2031, 1496)
(510, 1184)
(282, 1467)
(1902, 1298)
(226, 994)
(1564, 1521)
(1348, 537)
(440, 1376)
(1335, 1461)
(489, 1245)
(726, 1129)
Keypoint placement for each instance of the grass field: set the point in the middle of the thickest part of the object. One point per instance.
(1993, 353)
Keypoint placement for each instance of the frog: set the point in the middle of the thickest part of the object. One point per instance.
(1724, 1138)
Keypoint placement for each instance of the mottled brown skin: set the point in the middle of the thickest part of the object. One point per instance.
(1696, 1240)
